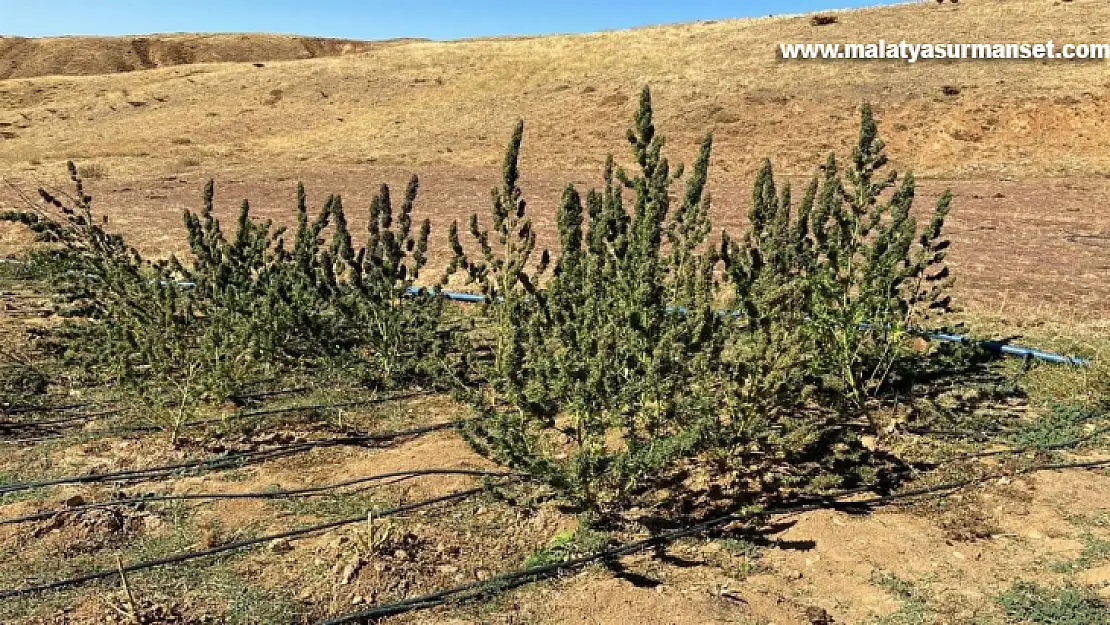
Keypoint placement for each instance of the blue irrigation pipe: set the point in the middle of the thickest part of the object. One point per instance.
(1007, 349)
(995, 347)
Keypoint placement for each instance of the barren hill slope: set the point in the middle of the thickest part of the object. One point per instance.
(1025, 144)
(453, 103)
(84, 56)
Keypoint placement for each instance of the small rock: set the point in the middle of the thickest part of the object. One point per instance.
(793, 574)
(401, 554)
(350, 571)
(711, 547)
(153, 523)
(379, 567)
(280, 545)
(482, 574)
(357, 600)
(818, 616)
(448, 569)
(74, 501)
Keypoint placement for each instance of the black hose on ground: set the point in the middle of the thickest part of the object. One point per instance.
(311, 491)
(14, 410)
(244, 414)
(343, 404)
(1075, 442)
(513, 579)
(232, 546)
(226, 461)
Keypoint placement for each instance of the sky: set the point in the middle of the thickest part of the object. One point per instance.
(373, 19)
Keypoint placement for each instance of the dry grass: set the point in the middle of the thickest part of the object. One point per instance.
(84, 56)
(425, 103)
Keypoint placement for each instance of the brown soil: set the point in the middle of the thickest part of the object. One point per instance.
(957, 552)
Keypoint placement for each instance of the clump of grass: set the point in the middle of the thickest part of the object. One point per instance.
(1064, 425)
(748, 553)
(1027, 602)
(91, 171)
(337, 506)
(915, 609)
(1089, 385)
(1094, 519)
(1095, 551)
(566, 545)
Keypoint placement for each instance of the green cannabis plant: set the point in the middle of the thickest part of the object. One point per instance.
(327, 302)
(849, 268)
(180, 334)
(611, 378)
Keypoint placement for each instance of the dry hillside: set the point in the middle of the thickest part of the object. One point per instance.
(454, 103)
(85, 56)
(1025, 145)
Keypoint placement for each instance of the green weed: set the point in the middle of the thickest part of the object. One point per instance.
(1027, 602)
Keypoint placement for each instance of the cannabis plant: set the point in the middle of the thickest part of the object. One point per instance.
(181, 333)
(610, 378)
(324, 302)
(850, 269)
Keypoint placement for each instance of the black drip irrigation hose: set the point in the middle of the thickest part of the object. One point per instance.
(296, 390)
(232, 546)
(1075, 442)
(261, 412)
(311, 491)
(229, 461)
(513, 579)
(14, 410)
(242, 414)
(53, 429)
(226, 461)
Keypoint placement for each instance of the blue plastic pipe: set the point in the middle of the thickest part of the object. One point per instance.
(999, 347)
(996, 347)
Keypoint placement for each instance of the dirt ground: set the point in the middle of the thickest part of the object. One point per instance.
(940, 560)
(1024, 147)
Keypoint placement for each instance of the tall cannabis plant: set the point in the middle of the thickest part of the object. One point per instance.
(610, 377)
(851, 268)
(321, 300)
(182, 332)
